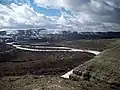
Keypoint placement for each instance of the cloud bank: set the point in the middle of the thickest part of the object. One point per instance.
(98, 10)
(78, 15)
(23, 16)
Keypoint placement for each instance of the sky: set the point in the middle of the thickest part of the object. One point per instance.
(60, 15)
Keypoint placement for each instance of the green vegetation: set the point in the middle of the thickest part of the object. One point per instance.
(103, 68)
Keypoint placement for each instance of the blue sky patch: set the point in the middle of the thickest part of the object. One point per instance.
(45, 11)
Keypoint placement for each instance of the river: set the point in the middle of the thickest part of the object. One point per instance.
(54, 49)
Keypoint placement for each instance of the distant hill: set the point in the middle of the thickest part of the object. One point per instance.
(103, 70)
(89, 35)
(44, 35)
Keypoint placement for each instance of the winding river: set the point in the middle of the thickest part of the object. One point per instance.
(55, 49)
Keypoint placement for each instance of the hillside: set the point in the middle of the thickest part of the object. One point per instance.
(103, 71)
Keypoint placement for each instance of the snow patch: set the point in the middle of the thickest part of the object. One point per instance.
(66, 76)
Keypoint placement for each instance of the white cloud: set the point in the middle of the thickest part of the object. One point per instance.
(98, 10)
(83, 22)
(48, 3)
(23, 16)
(88, 15)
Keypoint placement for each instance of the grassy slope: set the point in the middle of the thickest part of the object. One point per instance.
(103, 68)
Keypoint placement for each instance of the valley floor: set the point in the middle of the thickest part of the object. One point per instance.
(50, 81)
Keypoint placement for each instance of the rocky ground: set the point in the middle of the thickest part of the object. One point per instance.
(42, 82)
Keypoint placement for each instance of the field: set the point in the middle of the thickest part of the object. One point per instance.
(95, 44)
